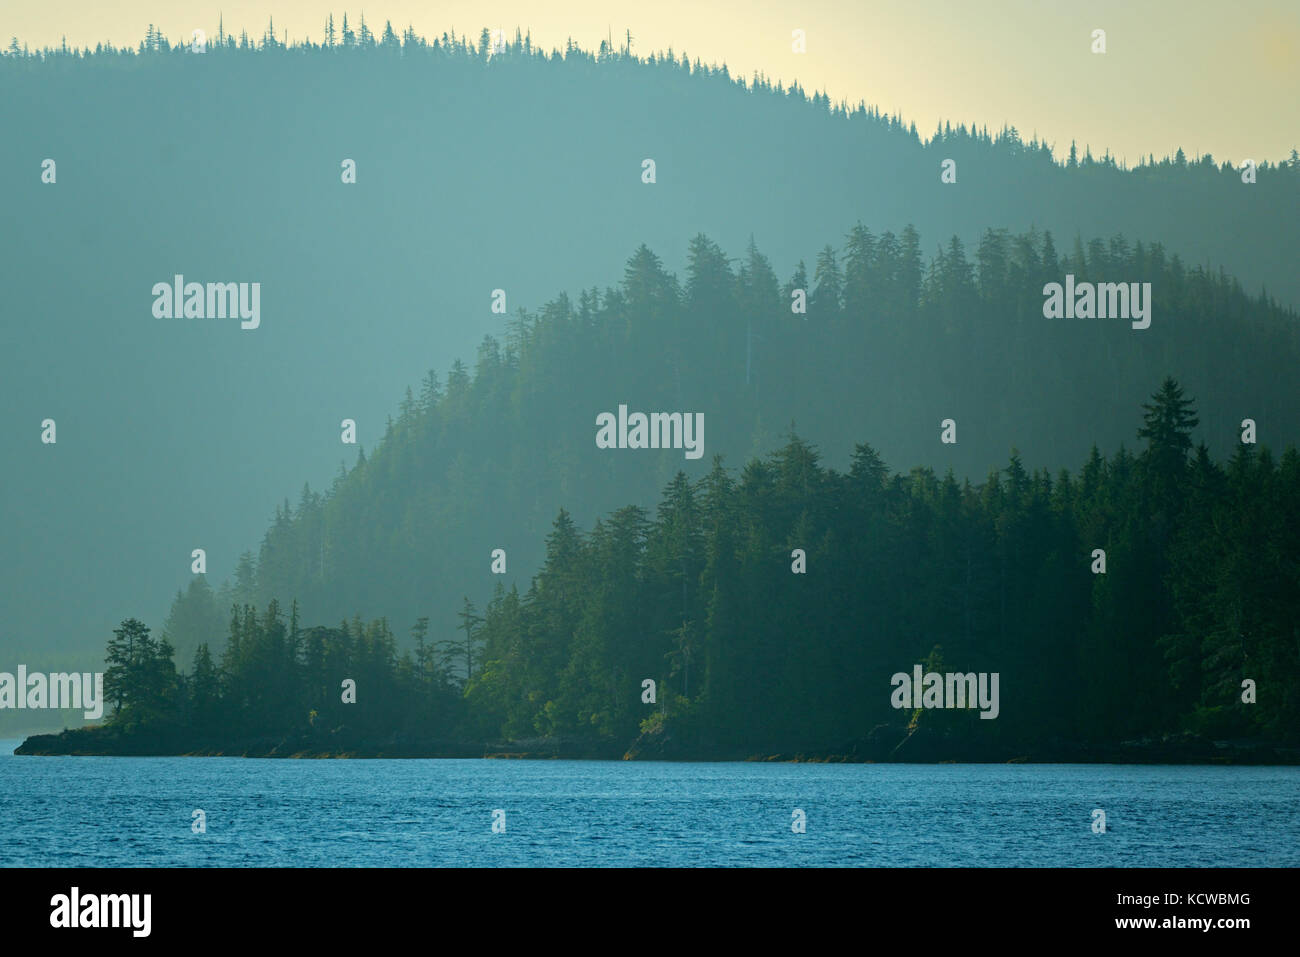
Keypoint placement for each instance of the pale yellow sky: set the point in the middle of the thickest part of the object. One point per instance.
(1206, 76)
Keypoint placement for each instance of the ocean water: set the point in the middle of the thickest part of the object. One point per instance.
(105, 812)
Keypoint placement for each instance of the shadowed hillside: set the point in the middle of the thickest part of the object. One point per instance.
(480, 458)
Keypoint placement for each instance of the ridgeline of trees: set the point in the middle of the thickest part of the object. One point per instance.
(1198, 594)
(504, 51)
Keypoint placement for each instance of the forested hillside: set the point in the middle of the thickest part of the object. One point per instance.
(753, 653)
(522, 170)
(480, 458)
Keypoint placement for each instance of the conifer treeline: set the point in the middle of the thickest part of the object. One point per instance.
(1198, 594)
(274, 678)
(359, 38)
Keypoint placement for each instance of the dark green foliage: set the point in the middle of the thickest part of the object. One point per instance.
(140, 680)
(914, 568)
(275, 679)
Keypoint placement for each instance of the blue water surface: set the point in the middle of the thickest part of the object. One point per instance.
(101, 812)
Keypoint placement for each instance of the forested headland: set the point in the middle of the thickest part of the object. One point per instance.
(903, 328)
(1144, 658)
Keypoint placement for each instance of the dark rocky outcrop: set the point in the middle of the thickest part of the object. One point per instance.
(884, 743)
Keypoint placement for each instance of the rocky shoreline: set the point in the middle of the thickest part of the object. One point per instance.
(884, 744)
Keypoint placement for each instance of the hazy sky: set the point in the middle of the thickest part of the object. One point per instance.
(1206, 76)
